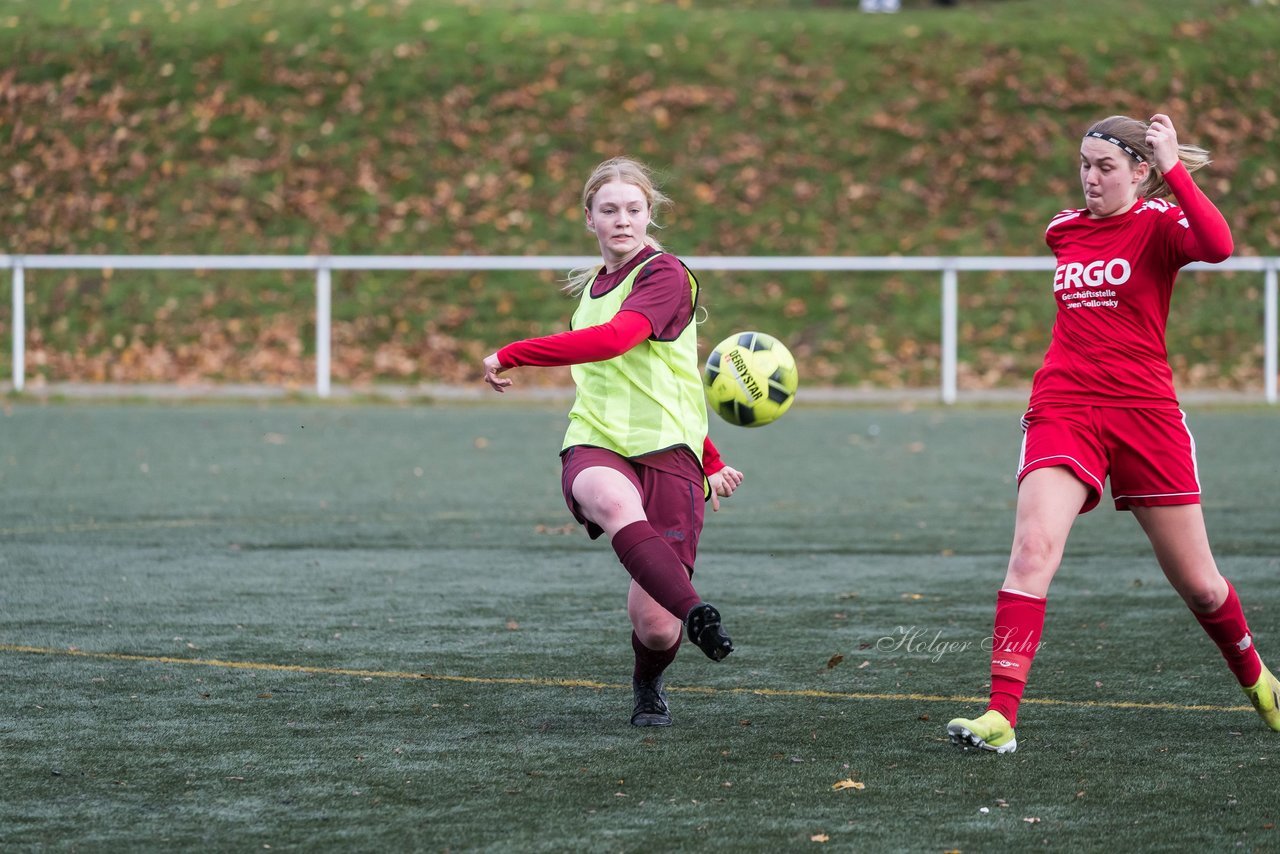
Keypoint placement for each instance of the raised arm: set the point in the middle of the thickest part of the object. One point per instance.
(1209, 236)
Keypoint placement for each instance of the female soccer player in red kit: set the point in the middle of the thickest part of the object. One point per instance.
(1103, 405)
(636, 462)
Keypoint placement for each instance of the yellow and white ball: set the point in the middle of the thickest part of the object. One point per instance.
(751, 379)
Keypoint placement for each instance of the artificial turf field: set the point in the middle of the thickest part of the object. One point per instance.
(358, 627)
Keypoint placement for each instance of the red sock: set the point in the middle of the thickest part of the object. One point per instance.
(1230, 632)
(1019, 622)
(655, 567)
(651, 662)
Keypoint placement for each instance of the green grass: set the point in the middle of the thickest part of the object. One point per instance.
(365, 627)
(388, 127)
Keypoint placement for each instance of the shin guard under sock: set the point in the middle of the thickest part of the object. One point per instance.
(1228, 629)
(656, 568)
(1019, 623)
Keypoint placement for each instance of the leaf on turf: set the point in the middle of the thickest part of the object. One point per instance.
(513, 626)
(819, 837)
(848, 783)
(834, 660)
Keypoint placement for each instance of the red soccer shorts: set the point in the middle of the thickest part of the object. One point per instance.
(673, 504)
(1149, 454)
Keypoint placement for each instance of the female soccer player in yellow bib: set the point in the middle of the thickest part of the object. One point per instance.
(636, 462)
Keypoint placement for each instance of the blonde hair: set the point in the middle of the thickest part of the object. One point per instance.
(627, 171)
(1133, 133)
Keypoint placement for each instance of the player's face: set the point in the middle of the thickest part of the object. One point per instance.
(619, 216)
(1109, 176)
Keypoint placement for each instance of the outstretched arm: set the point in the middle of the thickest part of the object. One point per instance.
(593, 344)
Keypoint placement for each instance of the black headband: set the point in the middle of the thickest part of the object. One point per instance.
(1128, 149)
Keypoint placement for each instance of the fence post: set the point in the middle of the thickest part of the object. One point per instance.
(949, 324)
(1271, 332)
(19, 326)
(323, 289)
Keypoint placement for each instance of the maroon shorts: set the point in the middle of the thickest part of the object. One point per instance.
(1149, 454)
(672, 503)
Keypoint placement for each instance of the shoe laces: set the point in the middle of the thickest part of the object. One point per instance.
(649, 697)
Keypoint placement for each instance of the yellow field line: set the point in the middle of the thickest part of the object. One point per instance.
(805, 693)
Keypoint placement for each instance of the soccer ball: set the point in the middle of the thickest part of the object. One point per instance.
(751, 379)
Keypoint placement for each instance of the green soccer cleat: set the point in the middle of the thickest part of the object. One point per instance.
(1265, 696)
(990, 731)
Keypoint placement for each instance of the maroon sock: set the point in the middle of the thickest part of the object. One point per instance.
(1230, 632)
(1019, 623)
(655, 567)
(651, 662)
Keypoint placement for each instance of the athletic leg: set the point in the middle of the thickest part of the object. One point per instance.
(1181, 543)
(655, 639)
(1049, 499)
(653, 625)
(607, 498)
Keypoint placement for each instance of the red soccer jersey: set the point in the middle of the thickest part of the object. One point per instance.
(1113, 283)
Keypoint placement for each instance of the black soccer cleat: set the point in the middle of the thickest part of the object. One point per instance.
(703, 626)
(651, 703)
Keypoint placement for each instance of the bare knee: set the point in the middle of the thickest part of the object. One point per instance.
(656, 629)
(1033, 562)
(607, 511)
(1204, 597)
(607, 498)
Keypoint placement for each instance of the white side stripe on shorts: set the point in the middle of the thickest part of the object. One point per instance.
(1023, 466)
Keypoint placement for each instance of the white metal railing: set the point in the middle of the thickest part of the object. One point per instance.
(949, 267)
